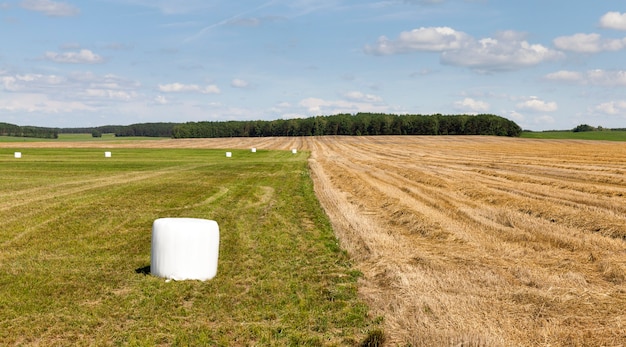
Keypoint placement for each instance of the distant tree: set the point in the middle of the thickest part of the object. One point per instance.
(96, 133)
(583, 127)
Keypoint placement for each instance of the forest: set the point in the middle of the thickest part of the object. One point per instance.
(340, 124)
(355, 125)
(7, 129)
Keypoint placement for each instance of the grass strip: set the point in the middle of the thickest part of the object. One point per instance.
(75, 251)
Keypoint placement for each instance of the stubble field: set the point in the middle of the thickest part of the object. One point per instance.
(473, 240)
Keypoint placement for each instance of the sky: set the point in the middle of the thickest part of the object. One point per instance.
(545, 64)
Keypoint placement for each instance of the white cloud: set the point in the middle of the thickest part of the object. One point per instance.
(180, 87)
(84, 56)
(239, 83)
(317, 106)
(612, 108)
(50, 8)
(175, 7)
(30, 82)
(361, 97)
(112, 94)
(471, 105)
(40, 103)
(565, 76)
(607, 78)
(613, 20)
(161, 100)
(597, 77)
(516, 116)
(507, 51)
(535, 104)
(432, 39)
(588, 43)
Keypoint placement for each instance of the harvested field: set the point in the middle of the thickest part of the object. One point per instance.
(472, 240)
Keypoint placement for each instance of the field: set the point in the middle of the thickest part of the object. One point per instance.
(472, 241)
(75, 251)
(607, 135)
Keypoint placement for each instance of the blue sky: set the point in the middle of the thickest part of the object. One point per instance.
(547, 64)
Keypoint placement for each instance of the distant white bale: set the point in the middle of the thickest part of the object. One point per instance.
(107, 154)
(184, 248)
(229, 154)
(253, 150)
(294, 151)
(18, 154)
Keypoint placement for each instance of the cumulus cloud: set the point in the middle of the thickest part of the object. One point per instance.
(194, 88)
(316, 106)
(471, 105)
(588, 43)
(597, 77)
(538, 105)
(516, 116)
(507, 51)
(161, 100)
(433, 39)
(50, 8)
(41, 103)
(30, 82)
(612, 108)
(84, 56)
(607, 78)
(613, 20)
(239, 83)
(361, 97)
(565, 76)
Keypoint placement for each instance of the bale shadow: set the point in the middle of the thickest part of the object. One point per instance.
(143, 270)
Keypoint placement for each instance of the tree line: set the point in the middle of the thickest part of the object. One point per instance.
(340, 124)
(140, 129)
(7, 129)
(355, 125)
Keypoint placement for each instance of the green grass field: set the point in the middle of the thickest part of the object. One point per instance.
(75, 251)
(613, 135)
(79, 137)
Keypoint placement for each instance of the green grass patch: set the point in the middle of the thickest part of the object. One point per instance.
(80, 138)
(104, 138)
(75, 249)
(609, 135)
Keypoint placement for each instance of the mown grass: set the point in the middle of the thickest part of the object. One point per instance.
(75, 251)
(609, 135)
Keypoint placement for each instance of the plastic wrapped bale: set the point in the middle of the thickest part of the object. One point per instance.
(107, 154)
(229, 154)
(17, 155)
(184, 248)
(253, 150)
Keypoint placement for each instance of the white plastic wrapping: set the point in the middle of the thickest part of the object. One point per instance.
(184, 248)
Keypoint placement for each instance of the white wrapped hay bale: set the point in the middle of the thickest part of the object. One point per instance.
(18, 154)
(253, 150)
(107, 154)
(294, 151)
(184, 248)
(229, 154)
